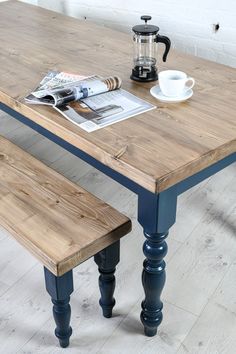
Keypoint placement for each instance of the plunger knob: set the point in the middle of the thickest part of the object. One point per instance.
(146, 18)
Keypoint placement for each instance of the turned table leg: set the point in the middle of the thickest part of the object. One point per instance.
(153, 279)
(60, 289)
(156, 213)
(107, 260)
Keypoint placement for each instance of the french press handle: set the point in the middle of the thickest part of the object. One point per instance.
(167, 42)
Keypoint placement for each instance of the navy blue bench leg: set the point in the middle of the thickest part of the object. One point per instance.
(60, 289)
(107, 260)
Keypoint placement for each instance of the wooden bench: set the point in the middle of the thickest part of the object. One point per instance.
(62, 225)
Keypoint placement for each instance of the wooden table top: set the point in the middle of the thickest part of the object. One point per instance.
(156, 149)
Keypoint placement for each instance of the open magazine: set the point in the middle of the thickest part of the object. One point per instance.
(90, 102)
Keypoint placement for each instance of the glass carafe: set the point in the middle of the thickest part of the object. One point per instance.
(145, 40)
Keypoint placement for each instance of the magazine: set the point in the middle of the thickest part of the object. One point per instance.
(90, 102)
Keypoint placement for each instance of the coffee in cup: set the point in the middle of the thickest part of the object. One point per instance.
(173, 83)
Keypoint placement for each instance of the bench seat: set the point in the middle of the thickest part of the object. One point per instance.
(59, 222)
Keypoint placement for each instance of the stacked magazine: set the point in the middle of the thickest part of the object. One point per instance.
(90, 102)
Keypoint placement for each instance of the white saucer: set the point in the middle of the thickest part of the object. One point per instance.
(156, 92)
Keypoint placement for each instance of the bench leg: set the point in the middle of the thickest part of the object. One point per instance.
(60, 289)
(107, 260)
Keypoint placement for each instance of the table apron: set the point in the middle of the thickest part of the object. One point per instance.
(123, 180)
(198, 177)
(181, 187)
(156, 214)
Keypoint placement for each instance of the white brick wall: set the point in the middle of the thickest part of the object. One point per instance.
(33, 2)
(189, 24)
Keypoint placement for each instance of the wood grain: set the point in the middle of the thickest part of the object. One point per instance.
(56, 220)
(160, 147)
(214, 328)
(220, 312)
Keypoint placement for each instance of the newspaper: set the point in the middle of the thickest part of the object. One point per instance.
(90, 102)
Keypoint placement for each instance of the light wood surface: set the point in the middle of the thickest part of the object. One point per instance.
(160, 147)
(206, 218)
(56, 220)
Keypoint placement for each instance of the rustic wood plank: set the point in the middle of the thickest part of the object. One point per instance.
(32, 309)
(13, 263)
(165, 342)
(214, 331)
(204, 259)
(57, 221)
(196, 202)
(161, 147)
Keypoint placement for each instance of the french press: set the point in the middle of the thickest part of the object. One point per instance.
(145, 39)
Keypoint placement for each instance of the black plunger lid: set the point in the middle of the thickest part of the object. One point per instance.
(146, 29)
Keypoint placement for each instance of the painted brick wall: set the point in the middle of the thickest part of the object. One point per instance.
(189, 24)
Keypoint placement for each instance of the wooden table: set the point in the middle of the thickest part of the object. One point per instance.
(158, 154)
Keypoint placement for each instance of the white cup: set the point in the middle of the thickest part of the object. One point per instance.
(173, 83)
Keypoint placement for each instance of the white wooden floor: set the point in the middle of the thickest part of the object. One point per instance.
(199, 297)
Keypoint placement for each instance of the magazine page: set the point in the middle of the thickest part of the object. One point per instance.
(50, 90)
(57, 91)
(55, 97)
(95, 112)
(85, 88)
(56, 80)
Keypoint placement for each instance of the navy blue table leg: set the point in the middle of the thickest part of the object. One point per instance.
(156, 213)
(107, 260)
(60, 289)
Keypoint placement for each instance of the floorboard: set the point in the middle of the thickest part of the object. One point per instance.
(199, 297)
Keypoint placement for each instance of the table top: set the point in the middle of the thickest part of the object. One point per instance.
(156, 149)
